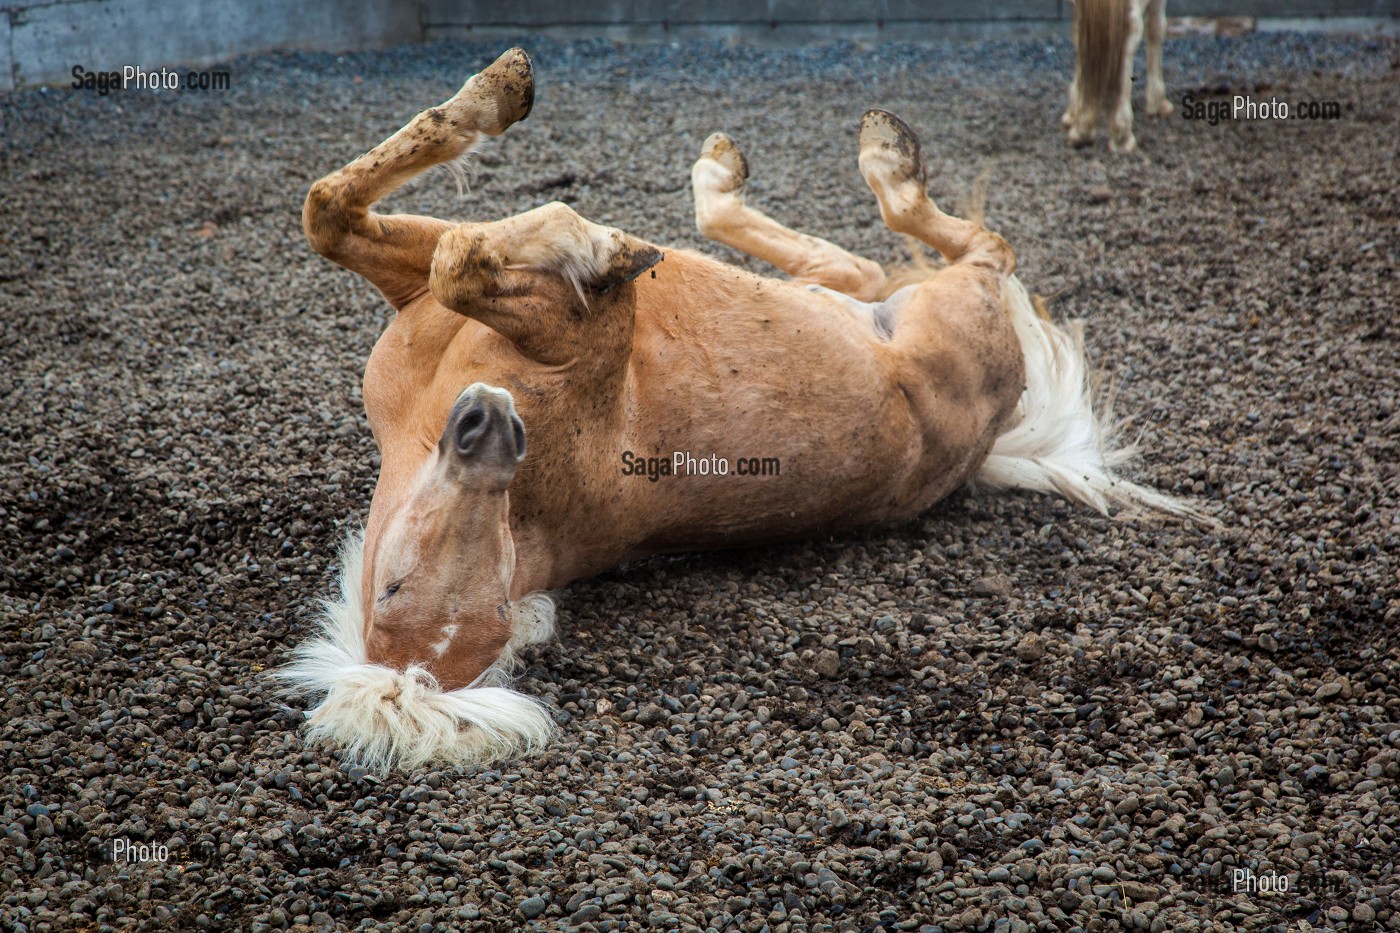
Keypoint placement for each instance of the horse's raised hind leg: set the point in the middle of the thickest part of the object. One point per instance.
(721, 215)
(395, 252)
(892, 163)
(1155, 29)
(955, 335)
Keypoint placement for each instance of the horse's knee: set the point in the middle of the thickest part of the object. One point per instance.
(463, 269)
(866, 279)
(554, 241)
(856, 276)
(556, 238)
(555, 212)
(325, 216)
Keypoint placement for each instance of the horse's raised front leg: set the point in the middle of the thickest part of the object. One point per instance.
(721, 215)
(395, 252)
(547, 280)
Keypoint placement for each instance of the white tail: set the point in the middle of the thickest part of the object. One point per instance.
(385, 718)
(1057, 442)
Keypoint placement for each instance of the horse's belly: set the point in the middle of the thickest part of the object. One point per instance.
(764, 421)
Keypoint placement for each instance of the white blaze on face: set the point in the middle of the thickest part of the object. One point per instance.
(395, 554)
(441, 647)
(385, 718)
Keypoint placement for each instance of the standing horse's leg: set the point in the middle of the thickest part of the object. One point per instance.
(1120, 121)
(722, 216)
(1155, 29)
(395, 252)
(1071, 114)
(1091, 30)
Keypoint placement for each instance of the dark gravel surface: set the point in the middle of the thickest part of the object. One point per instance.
(1009, 715)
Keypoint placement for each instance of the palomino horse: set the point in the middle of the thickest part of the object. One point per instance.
(1106, 37)
(872, 403)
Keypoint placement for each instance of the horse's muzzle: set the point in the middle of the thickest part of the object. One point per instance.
(484, 428)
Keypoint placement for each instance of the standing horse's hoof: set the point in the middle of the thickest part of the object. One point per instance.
(1078, 138)
(881, 130)
(1123, 144)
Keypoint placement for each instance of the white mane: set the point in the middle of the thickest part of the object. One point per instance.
(384, 718)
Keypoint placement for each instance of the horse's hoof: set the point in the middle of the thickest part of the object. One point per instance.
(507, 86)
(882, 130)
(725, 151)
(1078, 140)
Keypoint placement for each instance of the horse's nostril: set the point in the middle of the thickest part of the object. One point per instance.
(470, 428)
(517, 428)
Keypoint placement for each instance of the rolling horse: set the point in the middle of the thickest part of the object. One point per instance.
(531, 356)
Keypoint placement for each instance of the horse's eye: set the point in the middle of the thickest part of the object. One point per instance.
(391, 589)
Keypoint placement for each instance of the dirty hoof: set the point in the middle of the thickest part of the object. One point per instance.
(506, 88)
(881, 132)
(725, 151)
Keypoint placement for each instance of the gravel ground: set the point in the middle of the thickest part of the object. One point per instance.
(1008, 715)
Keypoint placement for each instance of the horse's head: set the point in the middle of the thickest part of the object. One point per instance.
(438, 591)
(413, 657)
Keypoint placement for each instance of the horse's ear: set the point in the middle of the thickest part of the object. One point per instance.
(630, 261)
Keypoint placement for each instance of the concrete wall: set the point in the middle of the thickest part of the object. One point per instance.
(798, 19)
(1283, 9)
(41, 40)
(7, 61)
(729, 12)
(773, 20)
(765, 13)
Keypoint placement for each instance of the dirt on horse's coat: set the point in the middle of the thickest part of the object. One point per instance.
(528, 354)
